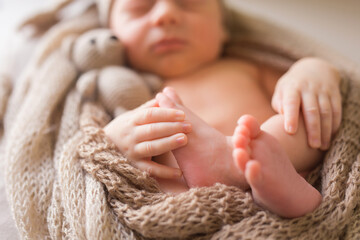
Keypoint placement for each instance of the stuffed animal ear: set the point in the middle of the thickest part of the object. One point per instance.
(42, 21)
(86, 84)
(154, 82)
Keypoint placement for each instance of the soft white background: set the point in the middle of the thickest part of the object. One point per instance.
(335, 23)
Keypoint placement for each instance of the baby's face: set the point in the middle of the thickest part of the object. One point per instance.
(169, 37)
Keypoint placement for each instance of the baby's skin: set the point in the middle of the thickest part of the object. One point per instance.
(181, 41)
(250, 158)
(261, 158)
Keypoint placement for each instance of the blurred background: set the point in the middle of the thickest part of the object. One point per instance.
(334, 23)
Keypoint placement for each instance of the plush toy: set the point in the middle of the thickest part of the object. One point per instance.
(100, 56)
(93, 49)
(5, 91)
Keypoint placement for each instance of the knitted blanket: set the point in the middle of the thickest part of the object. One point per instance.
(66, 180)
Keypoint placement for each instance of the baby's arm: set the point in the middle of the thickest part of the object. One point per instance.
(149, 131)
(313, 85)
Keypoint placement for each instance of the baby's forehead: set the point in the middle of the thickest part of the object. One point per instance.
(221, 3)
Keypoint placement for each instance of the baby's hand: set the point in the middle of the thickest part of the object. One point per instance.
(313, 85)
(149, 131)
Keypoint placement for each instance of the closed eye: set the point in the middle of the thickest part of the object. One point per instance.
(189, 4)
(138, 7)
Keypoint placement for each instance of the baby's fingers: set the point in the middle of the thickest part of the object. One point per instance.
(150, 103)
(157, 170)
(276, 102)
(153, 131)
(311, 114)
(291, 107)
(336, 110)
(326, 121)
(159, 146)
(156, 114)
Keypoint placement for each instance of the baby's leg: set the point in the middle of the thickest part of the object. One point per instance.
(267, 156)
(303, 157)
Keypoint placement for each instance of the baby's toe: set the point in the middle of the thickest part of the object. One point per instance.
(240, 140)
(253, 174)
(241, 157)
(171, 93)
(165, 101)
(249, 122)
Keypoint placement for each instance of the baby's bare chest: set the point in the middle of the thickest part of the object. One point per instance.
(221, 99)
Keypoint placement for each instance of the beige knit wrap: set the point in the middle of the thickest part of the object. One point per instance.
(65, 180)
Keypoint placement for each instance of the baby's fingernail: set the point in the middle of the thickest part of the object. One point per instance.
(181, 139)
(178, 173)
(290, 129)
(316, 143)
(186, 127)
(325, 145)
(180, 115)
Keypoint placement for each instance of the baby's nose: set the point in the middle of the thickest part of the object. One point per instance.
(166, 13)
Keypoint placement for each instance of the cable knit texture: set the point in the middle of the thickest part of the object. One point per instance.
(66, 180)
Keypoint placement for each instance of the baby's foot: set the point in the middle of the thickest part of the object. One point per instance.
(274, 182)
(207, 157)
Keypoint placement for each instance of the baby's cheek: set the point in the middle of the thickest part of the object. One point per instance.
(136, 55)
(132, 39)
(210, 36)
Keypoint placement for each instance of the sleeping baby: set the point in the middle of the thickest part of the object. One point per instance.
(219, 119)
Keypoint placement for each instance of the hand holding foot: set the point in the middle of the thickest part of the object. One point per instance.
(207, 157)
(149, 131)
